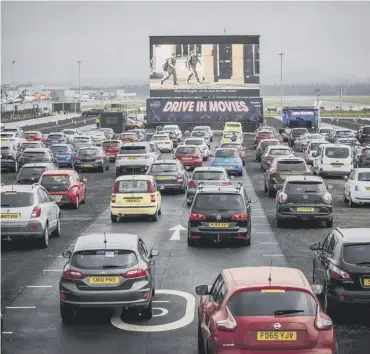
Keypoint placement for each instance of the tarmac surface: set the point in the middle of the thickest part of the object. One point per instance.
(30, 277)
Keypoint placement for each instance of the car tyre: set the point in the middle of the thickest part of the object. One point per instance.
(279, 223)
(155, 216)
(44, 241)
(265, 187)
(77, 204)
(113, 218)
(84, 200)
(205, 158)
(270, 193)
(191, 242)
(56, 232)
(351, 204)
(108, 167)
(200, 341)
(67, 314)
(329, 223)
(160, 210)
(102, 168)
(147, 313)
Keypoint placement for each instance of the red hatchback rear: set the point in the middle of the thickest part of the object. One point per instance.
(33, 136)
(65, 187)
(111, 148)
(189, 155)
(263, 310)
(129, 137)
(262, 135)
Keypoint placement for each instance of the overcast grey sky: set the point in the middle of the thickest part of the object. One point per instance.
(323, 41)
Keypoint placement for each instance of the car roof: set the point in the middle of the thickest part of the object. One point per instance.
(158, 162)
(187, 146)
(220, 148)
(259, 276)
(37, 164)
(142, 143)
(354, 235)
(112, 140)
(19, 187)
(209, 168)
(58, 173)
(299, 128)
(307, 178)
(219, 189)
(32, 131)
(278, 147)
(296, 158)
(319, 141)
(231, 142)
(90, 147)
(64, 144)
(359, 170)
(35, 149)
(55, 133)
(337, 145)
(114, 241)
(267, 140)
(133, 177)
(82, 136)
(194, 138)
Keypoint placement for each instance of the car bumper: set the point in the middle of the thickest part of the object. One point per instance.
(321, 212)
(360, 198)
(21, 230)
(112, 157)
(170, 186)
(221, 235)
(231, 170)
(65, 162)
(342, 171)
(132, 169)
(88, 166)
(7, 164)
(192, 163)
(118, 210)
(350, 297)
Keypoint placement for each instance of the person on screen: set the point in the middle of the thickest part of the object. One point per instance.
(191, 64)
(169, 67)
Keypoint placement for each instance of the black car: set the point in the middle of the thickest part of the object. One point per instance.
(363, 135)
(93, 112)
(91, 158)
(32, 155)
(169, 175)
(30, 173)
(108, 271)
(220, 213)
(342, 267)
(9, 157)
(294, 134)
(173, 136)
(304, 198)
(363, 159)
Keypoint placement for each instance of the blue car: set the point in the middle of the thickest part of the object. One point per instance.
(64, 154)
(56, 138)
(230, 160)
(340, 134)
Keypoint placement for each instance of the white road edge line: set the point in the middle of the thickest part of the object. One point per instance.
(20, 307)
(160, 302)
(39, 286)
(7, 332)
(268, 243)
(273, 255)
(53, 270)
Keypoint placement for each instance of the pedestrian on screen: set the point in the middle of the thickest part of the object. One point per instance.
(191, 64)
(169, 67)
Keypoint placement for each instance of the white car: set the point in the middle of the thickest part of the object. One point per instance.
(311, 149)
(163, 141)
(201, 134)
(357, 187)
(202, 145)
(11, 138)
(206, 128)
(71, 133)
(97, 137)
(175, 128)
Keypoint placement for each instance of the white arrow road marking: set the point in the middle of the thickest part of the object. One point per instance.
(176, 232)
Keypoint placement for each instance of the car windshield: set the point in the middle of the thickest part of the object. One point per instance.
(57, 182)
(366, 130)
(209, 176)
(133, 150)
(59, 148)
(55, 136)
(29, 145)
(219, 202)
(364, 176)
(298, 132)
(227, 153)
(265, 133)
(111, 144)
(194, 142)
(291, 166)
(133, 186)
(187, 150)
(101, 259)
(232, 146)
(300, 187)
(14, 199)
(168, 167)
(357, 253)
(34, 154)
(159, 137)
(315, 146)
(337, 152)
(199, 133)
(31, 171)
(128, 136)
(279, 152)
(69, 132)
(88, 152)
(268, 302)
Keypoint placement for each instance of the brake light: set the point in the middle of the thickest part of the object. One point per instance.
(322, 322)
(363, 155)
(240, 217)
(227, 325)
(71, 274)
(283, 198)
(135, 274)
(272, 172)
(180, 176)
(99, 157)
(260, 148)
(36, 212)
(337, 273)
(197, 216)
(192, 184)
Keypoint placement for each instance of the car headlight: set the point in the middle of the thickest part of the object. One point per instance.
(327, 198)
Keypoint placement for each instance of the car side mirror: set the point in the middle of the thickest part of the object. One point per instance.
(67, 254)
(154, 253)
(346, 178)
(84, 180)
(232, 177)
(317, 289)
(202, 290)
(315, 246)
(281, 130)
(314, 154)
(331, 187)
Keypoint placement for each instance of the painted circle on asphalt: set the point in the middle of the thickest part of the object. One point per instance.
(188, 317)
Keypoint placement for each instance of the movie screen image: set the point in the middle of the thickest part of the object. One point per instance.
(204, 66)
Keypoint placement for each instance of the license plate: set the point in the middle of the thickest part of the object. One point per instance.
(103, 280)
(10, 216)
(283, 176)
(227, 167)
(132, 200)
(56, 198)
(336, 166)
(161, 188)
(367, 282)
(269, 336)
(306, 209)
(219, 224)
(111, 155)
(4, 140)
(186, 158)
(133, 158)
(367, 188)
(89, 165)
(164, 177)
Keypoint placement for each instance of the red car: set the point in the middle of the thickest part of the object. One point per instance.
(111, 148)
(189, 155)
(34, 136)
(129, 137)
(239, 147)
(65, 187)
(262, 135)
(263, 310)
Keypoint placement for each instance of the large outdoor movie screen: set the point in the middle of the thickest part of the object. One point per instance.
(204, 66)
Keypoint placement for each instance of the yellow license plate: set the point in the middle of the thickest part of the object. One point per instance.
(367, 282)
(56, 198)
(270, 336)
(336, 166)
(4, 140)
(133, 158)
(10, 216)
(164, 177)
(89, 165)
(219, 224)
(306, 209)
(367, 188)
(103, 280)
(186, 158)
(132, 200)
(111, 155)
(227, 166)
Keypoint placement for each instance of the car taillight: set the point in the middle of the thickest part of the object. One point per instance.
(152, 198)
(272, 172)
(327, 198)
(77, 158)
(322, 322)
(240, 217)
(227, 325)
(260, 148)
(337, 273)
(135, 274)
(71, 274)
(180, 176)
(192, 184)
(197, 216)
(283, 198)
(99, 157)
(363, 155)
(36, 212)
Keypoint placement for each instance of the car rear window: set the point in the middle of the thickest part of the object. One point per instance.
(128, 135)
(164, 167)
(187, 150)
(325, 131)
(365, 151)
(34, 153)
(230, 125)
(366, 130)
(343, 132)
(199, 133)
(159, 137)
(265, 134)
(358, 253)
(226, 153)
(364, 176)
(133, 150)
(111, 144)
(29, 145)
(104, 259)
(314, 136)
(291, 166)
(209, 176)
(31, 171)
(14, 199)
(5, 148)
(55, 136)
(337, 152)
(133, 186)
(297, 132)
(31, 134)
(268, 143)
(69, 132)
(219, 202)
(82, 139)
(266, 303)
(194, 142)
(88, 152)
(59, 148)
(299, 187)
(279, 152)
(232, 146)
(60, 182)
(315, 146)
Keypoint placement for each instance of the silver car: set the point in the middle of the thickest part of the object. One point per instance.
(136, 158)
(201, 134)
(27, 212)
(206, 128)
(272, 152)
(108, 271)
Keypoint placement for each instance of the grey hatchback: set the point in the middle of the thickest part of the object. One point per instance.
(108, 271)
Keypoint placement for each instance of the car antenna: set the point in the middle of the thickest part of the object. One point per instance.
(270, 279)
(105, 240)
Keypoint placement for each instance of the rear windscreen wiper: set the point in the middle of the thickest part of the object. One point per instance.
(286, 312)
(363, 263)
(5, 205)
(112, 266)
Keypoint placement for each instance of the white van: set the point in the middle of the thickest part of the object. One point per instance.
(333, 160)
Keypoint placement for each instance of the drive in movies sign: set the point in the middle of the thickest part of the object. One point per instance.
(206, 111)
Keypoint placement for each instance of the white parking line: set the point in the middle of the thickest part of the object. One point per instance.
(159, 302)
(53, 270)
(20, 307)
(39, 286)
(7, 332)
(273, 255)
(268, 243)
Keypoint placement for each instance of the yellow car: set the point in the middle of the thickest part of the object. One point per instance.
(135, 195)
(233, 126)
(226, 138)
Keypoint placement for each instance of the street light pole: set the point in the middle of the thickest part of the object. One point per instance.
(281, 81)
(79, 81)
(317, 96)
(13, 87)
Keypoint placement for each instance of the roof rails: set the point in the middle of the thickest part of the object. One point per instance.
(339, 230)
(236, 185)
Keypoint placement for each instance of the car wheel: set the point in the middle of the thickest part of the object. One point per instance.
(44, 241)
(160, 211)
(113, 218)
(155, 216)
(147, 313)
(265, 187)
(279, 223)
(77, 204)
(200, 341)
(84, 200)
(56, 232)
(270, 193)
(351, 204)
(329, 223)
(67, 314)
(345, 198)
(205, 158)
